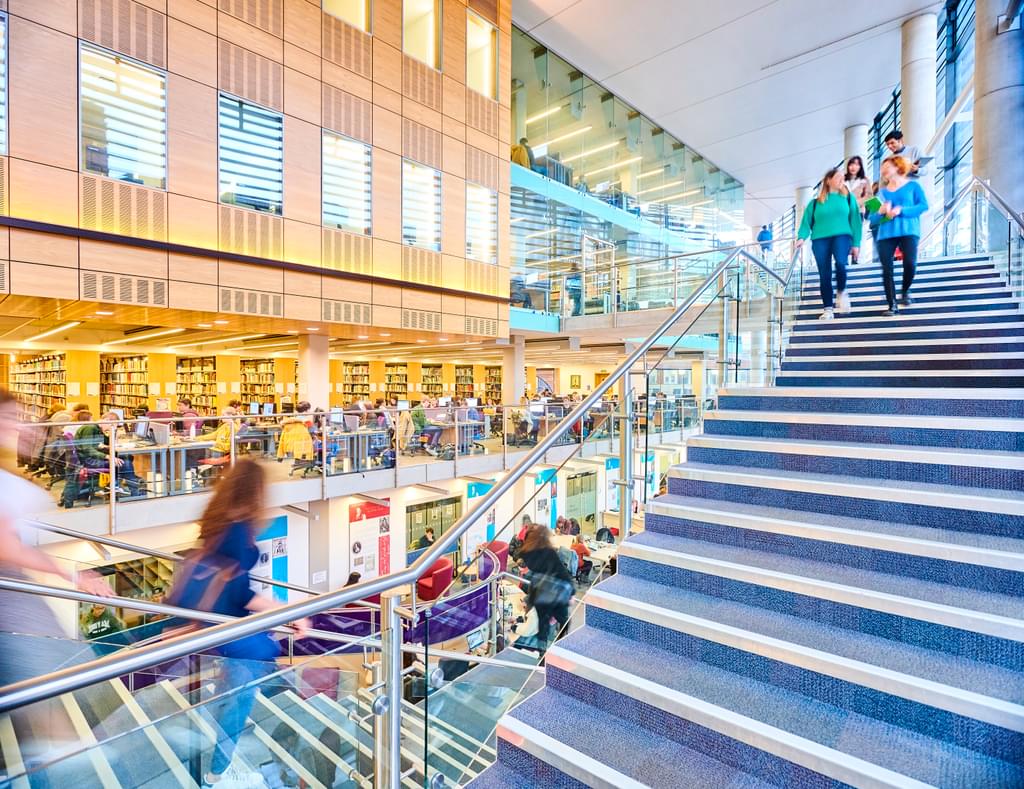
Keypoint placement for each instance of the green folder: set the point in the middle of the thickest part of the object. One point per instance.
(873, 205)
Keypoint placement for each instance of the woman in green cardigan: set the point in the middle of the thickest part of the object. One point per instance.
(833, 222)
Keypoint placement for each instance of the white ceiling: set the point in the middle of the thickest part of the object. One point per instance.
(763, 88)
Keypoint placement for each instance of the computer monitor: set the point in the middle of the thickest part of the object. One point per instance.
(142, 427)
(476, 639)
(442, 401)
(254, 408)
(403, 405)
(119, 412)
(352, 423)
(268, 409)
(472, 402)
(287, 407)
(537, 408)
(337, 416)
(161, 432)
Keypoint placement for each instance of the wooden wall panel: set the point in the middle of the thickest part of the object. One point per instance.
(387, 130)
(453, 52)
(387, 295)
(192, 296)
(302, 96)
(245, 275)
(453, 156)
(127, 27)
(301, 284)
(302, 60)
(198, 13)
(102, 256)
(267, 15)
(453, 223)
(250, 76)
(189, 268)
(191, 52)
(32, 247)
(453, 99)
(387, 65)
(302, 26)
(387, 259)
(302, 242)
(387, 22)
(347, 291)
(301, 308)
(347, 114)
(264, 44)
(191, 138)
(60, 15)
(346, 80)
(191, 222)
(32, 279)
(44, 193)
(454, 270)
(43, 94)
(302, 170)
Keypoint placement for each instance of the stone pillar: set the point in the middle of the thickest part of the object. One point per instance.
(917, 96)
(315, 370)
(855, 142)
(513, 370)
(999, 102)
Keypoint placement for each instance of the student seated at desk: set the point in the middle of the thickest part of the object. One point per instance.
(222, 436)
(422, 426)
(191, 423)
(296, 439)
(582, 551)
(92, 450)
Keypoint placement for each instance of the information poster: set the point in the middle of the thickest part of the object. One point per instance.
(369, 530)
(482, 531)
(611, 468)
(546, 500)
(272, 544)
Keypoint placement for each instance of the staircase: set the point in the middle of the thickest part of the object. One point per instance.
(832, 591)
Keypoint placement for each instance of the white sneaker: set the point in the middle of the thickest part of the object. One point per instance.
(827, 315)
(843, 306)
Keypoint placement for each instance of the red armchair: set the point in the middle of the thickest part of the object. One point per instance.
(500, 550)
(438, 578)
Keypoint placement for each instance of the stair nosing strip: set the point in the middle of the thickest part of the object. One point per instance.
(885, 602)
(850, 419)
(750, 731)
(795, 336)
(945, 372)
(557, 754)
(860, 490)
(930, 549)
(910, 343)
(876, 392)
(971, 704)
(935, 296)
(904, 357)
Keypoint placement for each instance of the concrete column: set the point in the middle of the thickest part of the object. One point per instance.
(999, 102)
(513, 370)
(320, 548)
(758, 359)
(315, 370)
(803, 197)
(917, 95)
(855, 142)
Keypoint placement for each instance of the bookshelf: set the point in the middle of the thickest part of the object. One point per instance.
(38, 384)
(396, 381)
(492, 384)
(197, 380)
(464, 381)
(432, 384)
(258, 378)
(124, 383)
(355, 381)
(140, 579)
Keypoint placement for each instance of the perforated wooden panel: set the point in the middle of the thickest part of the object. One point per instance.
(422, 320)
(421, 143)
(488, 9)
(122, 289)
(346, 312)
(481, 278)
(4, 204)
(121, 208)
(5, 276)
(487, 327)
(264, 14)
(481, 113)
(421, 266)
(251, 302)
(347, 252)
(251, 233)
(421, 83)
(250, 76)
(125, 26)
(347, 46)
(482, 168)
(347, 114)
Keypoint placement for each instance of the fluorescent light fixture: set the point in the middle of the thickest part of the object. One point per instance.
(698, 205)
(542, 233)
(204, 325)
(679, 196)
(144, 337)
(385, 334)
(312, 328)
(261, 346)
(420, 340)
(104, 312)
(519, 219)
(655, 171)
(363, 337)
(598, 149)
(546, 113)
(210, 340)
(663, 186)
(442, 339)
(615, 166)
(222, 322)
(567, 136)
(55, 330)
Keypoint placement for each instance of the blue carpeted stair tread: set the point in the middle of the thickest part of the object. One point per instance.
(926, 489)
(913, 588)
(908, 531)
(639, 753)
(500, 776)
(958, 672)
(902, 751)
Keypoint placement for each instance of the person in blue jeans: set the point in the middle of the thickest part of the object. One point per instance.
(899, 226)
(216, 579)
(833, 222)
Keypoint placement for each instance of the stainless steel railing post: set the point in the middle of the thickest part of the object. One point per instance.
(388, 705)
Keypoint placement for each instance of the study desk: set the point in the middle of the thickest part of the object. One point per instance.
(169, 460)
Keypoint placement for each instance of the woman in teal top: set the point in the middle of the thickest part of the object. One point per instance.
(899, 226)
(833, 222)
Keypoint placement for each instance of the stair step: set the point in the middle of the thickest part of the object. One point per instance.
(558, 729)
(874, 312)
(1001, 331)
(905, 320)
(845, 746)
(997, 615)
(500, 776)
(968, 279)
(981, 379)
(947, 297)
(868, 349)
(991, 692)
(1010, 360)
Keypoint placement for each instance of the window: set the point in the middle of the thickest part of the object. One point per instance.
(352, 12)
(481, 56)
(346, 184)
(251, 155)
(124, 118)
(3, 83)
(421, 31)
(481, 223)
(421, 206)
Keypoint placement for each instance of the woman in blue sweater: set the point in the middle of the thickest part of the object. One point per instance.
(899, 226)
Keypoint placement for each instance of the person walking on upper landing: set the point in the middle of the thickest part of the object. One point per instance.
(899, 226)
(833, 222)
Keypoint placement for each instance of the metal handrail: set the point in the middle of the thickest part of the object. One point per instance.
(83, 675)
(969, 188)
(127, 546)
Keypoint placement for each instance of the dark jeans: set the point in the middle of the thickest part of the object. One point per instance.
(886, 251)
(544, 614)
(233, 712)
(433, 432)
(827, 250)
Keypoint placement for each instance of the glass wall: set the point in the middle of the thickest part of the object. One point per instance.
(251, 142)
(591, 165)
(421, 31)
(421, 206)
(347, 185)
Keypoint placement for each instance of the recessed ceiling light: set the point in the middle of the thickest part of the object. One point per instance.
(385, 334)
(443, 339)
(104, 312)
(222, 323)
(420, 340)
(203, 325)
(312, 328)
(293, 331)
(363, 337)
